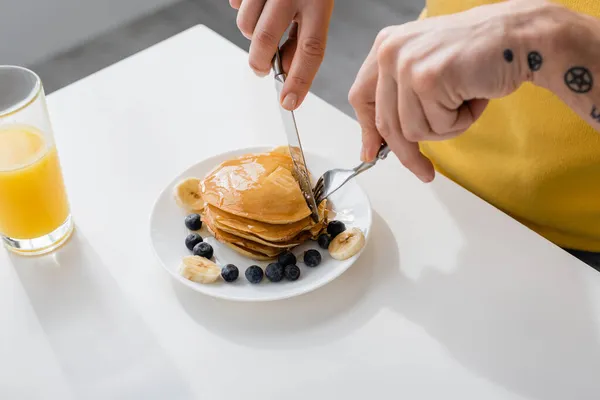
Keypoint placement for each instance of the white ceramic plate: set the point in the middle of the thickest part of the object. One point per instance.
(168, 232)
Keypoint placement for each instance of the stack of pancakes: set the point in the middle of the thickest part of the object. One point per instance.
(255, 205)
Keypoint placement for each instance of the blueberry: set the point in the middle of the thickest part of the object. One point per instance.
(292, 272)
(312, 258)
(335, 228)
(324, 240)
(230, 273)
(203, 249)
(274, 272)
(192, 240)
(193, 222)
(287, 258)
(254, 274)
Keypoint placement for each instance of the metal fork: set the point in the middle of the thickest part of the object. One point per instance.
(333, 180)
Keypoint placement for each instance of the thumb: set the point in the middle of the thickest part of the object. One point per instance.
(477, 107)
(467, 114)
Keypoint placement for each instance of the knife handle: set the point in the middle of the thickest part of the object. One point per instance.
(277, 64)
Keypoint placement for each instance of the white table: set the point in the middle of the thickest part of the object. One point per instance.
(452, 299)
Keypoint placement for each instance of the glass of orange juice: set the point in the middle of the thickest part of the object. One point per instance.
(34, 211)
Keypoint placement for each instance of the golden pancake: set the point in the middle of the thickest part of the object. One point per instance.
(209, 219)
(255, 206)
(244, 251)
(282, 150)
(259, 187)
(249, 253)
(226, 237)
(268, 232)
(286, 151)
(293, 242)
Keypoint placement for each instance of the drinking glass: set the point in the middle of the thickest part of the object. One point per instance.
(35, 216)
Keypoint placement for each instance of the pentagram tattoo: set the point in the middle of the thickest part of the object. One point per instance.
(595, 113)
(508, 55)
(534, 59)
(579, 79)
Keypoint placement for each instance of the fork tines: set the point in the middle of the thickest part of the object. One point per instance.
(318, 190)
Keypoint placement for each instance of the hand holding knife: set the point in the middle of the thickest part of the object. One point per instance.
(331, 181)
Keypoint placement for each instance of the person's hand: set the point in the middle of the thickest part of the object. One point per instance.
(265, 22)
(431, 79)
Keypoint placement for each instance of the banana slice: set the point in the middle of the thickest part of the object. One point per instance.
(188, 196)
(200, 269)
(347, 244)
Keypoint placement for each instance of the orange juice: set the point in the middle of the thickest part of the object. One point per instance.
(33, 201)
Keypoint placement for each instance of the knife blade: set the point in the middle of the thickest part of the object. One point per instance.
(291, 129)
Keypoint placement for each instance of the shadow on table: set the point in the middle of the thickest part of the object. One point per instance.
(527, 325)
(102, 345)
(314, 319)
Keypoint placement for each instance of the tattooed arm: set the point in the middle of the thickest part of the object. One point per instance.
(570, 46)
(432, 79)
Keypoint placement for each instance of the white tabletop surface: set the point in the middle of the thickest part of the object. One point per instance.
(451, 300)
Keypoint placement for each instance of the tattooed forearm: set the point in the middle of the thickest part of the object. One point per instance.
(535, 60)
(595, 113)
(579, 79)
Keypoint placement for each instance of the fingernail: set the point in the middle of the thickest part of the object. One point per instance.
(362, 155)
(260, 74)
(289, 102)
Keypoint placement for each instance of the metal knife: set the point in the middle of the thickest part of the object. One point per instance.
(291, 130)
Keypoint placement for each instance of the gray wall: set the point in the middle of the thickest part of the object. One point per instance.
(33, 30)
(354, 26)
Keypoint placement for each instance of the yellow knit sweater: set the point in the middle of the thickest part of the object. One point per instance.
(530, 155)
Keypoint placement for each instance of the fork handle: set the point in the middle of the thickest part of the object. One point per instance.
(383, 152)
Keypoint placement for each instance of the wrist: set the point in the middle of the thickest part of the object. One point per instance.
(535, 33)
(555, 40)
